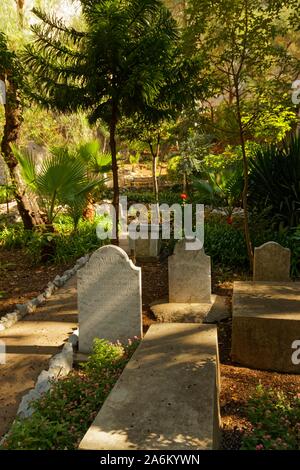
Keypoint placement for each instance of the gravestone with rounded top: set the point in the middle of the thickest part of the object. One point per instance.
(272, 262)
(109, 298)
(189, 275)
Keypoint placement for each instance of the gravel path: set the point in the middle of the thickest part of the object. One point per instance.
(30, 343)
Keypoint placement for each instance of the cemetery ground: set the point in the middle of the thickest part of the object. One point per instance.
(55, 321)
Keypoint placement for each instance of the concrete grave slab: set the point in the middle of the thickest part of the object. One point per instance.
(167, 397)
(266, 322)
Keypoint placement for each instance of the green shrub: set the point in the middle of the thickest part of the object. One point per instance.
(66, 244)
(64, 414)
(275, 420)
(14, 236)
(226, 244)
(6, 194)
(275, 182)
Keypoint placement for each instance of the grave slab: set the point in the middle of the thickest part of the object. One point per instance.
(167, 397)
(266, 322)
(213, 312)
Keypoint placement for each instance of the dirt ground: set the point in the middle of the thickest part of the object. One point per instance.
(20, 280)
(34, 340)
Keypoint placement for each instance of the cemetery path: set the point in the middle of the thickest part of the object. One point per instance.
(30, 344)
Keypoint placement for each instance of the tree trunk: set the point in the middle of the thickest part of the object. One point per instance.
(20, 7)
(155, 156)
(113, 149)
(27, 206)
(246, 180)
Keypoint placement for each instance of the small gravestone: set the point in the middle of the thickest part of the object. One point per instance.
(272, 262)
(109, 298)
(189, 275)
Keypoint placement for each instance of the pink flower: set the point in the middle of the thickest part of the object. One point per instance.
(259, 447)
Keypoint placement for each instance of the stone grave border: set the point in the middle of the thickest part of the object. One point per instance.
(21, 310)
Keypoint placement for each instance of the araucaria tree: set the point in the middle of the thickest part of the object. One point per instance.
(247, 62)
(112, 68)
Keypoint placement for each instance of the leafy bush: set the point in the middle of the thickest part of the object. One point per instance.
(275, 419)
(170, 196)
(275, 182)
(14, 236)
(226, 244)
(66, 244)
(64, 414)
(6, 194)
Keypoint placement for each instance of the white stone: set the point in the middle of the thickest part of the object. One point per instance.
(61, 364)
(109, 298)
(189, 275)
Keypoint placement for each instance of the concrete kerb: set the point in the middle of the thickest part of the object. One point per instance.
(22, 310)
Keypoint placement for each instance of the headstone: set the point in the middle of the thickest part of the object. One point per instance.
(109, 298)
(272, 262)
(149, 243)
(189, 275)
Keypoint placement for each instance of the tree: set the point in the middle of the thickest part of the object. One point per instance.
(246, 61)
(113, 67)
(151, 133)
(11, 74)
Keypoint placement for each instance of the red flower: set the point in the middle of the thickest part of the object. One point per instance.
(184, 196)
(229, 220)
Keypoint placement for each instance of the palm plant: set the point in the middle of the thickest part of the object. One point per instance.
(96, 161)
(223, 190)
(60, 181)
(275, 182)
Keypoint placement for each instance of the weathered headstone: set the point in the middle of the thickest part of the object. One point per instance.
(109, 298)
(272, 262)
(189, 275)
(149, 243)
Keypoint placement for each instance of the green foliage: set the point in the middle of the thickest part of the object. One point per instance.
(275, 182)
(14, 236)
(64, 414)
(145, 197)
(226, 245)
(68, 245)
(60, 181)
(96, 161)
(274, 122)
(115, 64)
(222, 189)
(6, 193)
(275, 419)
